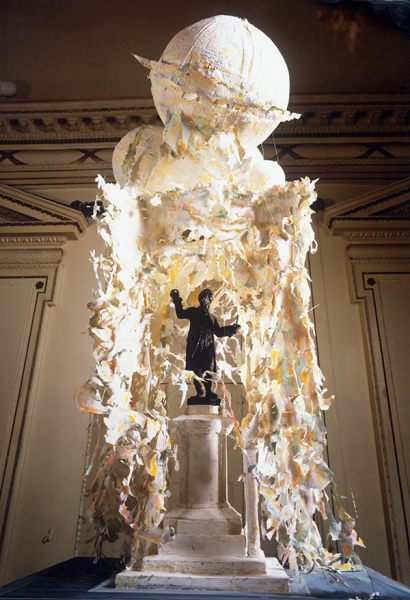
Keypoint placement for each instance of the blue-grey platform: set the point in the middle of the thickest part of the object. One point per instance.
(80, 578)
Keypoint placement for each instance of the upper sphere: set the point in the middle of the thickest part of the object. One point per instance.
(238, 60)
(217, 76)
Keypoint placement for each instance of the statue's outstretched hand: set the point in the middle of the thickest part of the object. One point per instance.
(175, 295)
(232, 329)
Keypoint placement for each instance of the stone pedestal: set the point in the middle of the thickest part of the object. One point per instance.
(209, 547)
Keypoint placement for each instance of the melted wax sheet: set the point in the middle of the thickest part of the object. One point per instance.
(251, 247)
(195, 206)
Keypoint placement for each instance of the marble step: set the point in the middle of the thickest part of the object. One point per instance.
(204, 545)
(205, 565)
(212, 520)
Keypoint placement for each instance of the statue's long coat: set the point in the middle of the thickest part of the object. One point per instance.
(200, 348)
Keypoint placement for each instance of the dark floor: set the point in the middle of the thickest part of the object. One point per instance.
(80, 578)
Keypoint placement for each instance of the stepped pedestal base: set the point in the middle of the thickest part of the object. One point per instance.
(208, 551)
(230, 578)
(205, 565)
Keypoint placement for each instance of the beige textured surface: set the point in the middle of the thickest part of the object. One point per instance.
(231, 578)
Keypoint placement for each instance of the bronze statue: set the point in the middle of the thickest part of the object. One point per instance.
(200, 348)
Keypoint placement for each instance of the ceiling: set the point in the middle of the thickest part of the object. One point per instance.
(81, 49)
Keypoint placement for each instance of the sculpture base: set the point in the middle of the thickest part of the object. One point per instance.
(230, 577)
(206, 564)
(209, 550)
(204, 401)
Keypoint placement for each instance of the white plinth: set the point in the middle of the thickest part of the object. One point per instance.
(209, 548)
(274, 581)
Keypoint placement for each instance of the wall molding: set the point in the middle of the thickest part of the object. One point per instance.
(364, 277)
(33, 233)
(338, 137)
(30, 220)
(44, 278)
(31, 240)
(377, 236)
(379, 250)
(382, 215)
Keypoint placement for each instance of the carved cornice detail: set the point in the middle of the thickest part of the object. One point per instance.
(38, 233)
(400, 210)
(374, 262)
(10, 216)
(380, 215)
(64, 165)
(31, 258)
(381, 200)
(31, 267)
(39, 224)
(322, 115)
(26, 216)
(14, 200)
(21, 240)
(367, 236)
(337, 137)
(73, 122)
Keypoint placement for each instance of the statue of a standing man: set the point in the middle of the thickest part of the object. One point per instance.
(200, 349)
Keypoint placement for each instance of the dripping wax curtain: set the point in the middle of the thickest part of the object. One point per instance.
(194, 206)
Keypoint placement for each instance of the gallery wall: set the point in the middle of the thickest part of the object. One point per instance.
(353, 96)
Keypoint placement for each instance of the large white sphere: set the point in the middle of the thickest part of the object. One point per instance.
(239, 60)
(223, 73)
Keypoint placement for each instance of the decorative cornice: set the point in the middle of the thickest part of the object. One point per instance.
(30, 258)
(381, 197)
(32, 241)
(381, 200)
(37, 234)
(375, 263)
(16, 198)
(73, 122)
(377, 236)
(399, 211)
(382, 214)
(24, 215)
(337, 137)
(378, 227)
(8, 215)
(332, 115)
